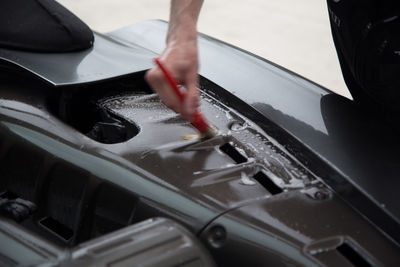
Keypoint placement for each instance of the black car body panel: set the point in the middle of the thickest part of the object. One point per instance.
(107, 59)
(361, 149)
(259, 193)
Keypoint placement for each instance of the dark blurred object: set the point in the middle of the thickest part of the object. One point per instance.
(15, 208)
(367, 39)
(43, 26)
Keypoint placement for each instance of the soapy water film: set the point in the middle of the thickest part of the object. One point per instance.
(252, 142)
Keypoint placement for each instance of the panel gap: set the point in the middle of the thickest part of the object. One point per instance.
(352, 255)
(267, 183)
(233, 153)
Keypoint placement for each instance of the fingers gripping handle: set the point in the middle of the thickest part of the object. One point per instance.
(199, 121)
(170, 79)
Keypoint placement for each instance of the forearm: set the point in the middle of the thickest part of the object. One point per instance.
(180, 57)
(183, 20)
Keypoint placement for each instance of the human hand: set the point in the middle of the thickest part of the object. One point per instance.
(181, 60)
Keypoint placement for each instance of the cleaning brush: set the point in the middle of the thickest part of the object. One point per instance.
(199, 122)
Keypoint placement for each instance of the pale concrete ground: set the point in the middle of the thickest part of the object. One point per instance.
(292, 33)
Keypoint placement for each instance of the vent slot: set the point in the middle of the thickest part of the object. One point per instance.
(57, 228)
(352, 256)
(267, 183)
(233, 153)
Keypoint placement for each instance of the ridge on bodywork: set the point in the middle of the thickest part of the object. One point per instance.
(107, 59)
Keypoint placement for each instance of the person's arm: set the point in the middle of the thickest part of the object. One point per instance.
(180, 57)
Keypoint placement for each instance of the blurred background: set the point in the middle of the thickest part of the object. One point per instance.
(294, 34)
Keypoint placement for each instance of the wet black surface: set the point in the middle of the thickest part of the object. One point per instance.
(269, 186)
(85, 188)
(309, 113)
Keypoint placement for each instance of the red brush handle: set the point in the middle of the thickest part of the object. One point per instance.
(170, 79)
(199, 121)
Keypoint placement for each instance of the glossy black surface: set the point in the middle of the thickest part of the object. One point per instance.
(93, 188)
(362, 150)
(107, 58)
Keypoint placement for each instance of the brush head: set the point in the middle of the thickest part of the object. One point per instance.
(208, 133)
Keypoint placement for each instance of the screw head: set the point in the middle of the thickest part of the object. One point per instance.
(216, 236)
(321, 195)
